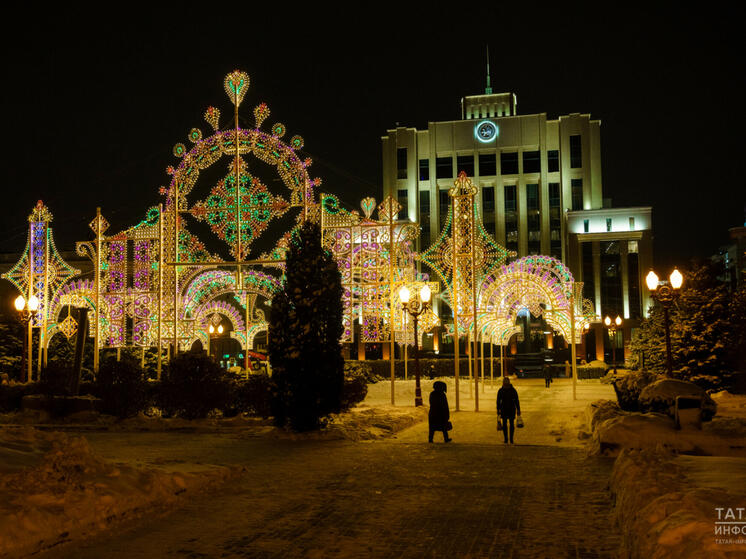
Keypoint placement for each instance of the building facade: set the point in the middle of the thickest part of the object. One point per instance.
(540, 192)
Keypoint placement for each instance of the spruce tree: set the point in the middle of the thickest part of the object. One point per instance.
(305, 328)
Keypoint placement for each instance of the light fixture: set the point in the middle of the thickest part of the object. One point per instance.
(618, 320)
(211, 329)
(33, 303)
(425, 294)
(676, 279)
(404, 295)
(220, 329)
(607, 321)
(652, 280)
(20, 303)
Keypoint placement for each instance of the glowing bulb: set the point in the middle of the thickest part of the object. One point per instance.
(33, 303)
(404, 295)
(220, 329)
(211, 329)
(607, 321)
(20, 302)
(618, 320)
(425, 294)
(652, 280)
(676, 279)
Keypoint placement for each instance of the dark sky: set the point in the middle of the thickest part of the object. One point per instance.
(93, 109)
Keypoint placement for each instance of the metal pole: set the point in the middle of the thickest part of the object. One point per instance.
(481, 353)
(159, 346)
(669, 363)
(391, 304)
(572, 342)
(454, 304)
(492, 362)
(30, 349)
(417, 390)
(97, 297)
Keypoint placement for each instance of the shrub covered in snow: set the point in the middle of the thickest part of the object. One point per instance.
(629, 386)
(660, 396)
(193, 385)
(355, 383)
(252, 396)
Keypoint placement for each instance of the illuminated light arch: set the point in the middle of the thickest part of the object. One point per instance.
(545, 287)
(214, 283)
(203, 314)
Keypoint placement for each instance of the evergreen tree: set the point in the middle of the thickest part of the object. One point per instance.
(704, 330)
(305, 328)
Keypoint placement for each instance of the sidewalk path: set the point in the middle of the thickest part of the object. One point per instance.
(398, 497)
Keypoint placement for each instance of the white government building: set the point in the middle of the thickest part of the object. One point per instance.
(540, 193)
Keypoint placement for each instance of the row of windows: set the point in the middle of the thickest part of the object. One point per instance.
(609, 228)
(488, 162)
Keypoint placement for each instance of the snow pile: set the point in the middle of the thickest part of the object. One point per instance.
(69, 492)
(665, 511)
(660, 396)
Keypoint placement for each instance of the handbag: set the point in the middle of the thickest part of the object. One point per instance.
(449, 425)
(499, 424)
(519, 422)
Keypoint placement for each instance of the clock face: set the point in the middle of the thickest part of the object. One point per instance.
(485, 131)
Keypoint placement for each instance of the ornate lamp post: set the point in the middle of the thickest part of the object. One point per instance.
(665, 295)
(612, 328)
(26, 311)
(415, 308)
(212, 331)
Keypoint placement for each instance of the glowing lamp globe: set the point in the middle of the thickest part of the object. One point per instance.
(404, 295)
(33, 303)
(211, 329)
(676, 279)
(220, 329)
(652, 280)
(618, 320)
(607, 321)
(425, 294)
(19, 303)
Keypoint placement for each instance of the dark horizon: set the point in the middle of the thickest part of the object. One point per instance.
(94, 112)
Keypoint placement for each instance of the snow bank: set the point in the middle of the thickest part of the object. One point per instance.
(664, 510)
(69, 492)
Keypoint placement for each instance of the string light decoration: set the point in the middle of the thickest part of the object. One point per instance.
(40, 272)
(361, 247)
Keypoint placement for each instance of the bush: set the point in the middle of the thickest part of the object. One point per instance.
(121, 387)
(628, 388)
(251, 396)
(355, 383)
(192, 386)
(594, 369)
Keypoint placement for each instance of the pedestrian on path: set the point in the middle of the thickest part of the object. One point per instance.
(547, 375)
(439, 414)
(507, 407)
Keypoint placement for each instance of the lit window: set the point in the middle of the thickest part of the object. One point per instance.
(631, 223)
(632, 247)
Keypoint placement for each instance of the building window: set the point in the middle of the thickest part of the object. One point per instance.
(425, 214)
(401, 163)
(608, 224)
(633, 269)
(510, 199)
(586, 225)
(576, 152)
(554, 195)
(488, 199)
(424, 169)
(631, 223)
(531, 162)
(553, 160)
(403, 195)
(465, 163)
(611, 279)
(632, 247)
(532, 196)
(589, 283)
(487, 164)
(444, 167)
(577, 194)
(555, 221)
(444, 204)
(509, 163)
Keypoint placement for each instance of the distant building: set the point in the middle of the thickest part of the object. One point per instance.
(540, 193)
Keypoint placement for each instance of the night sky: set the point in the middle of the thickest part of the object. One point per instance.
(93, 110)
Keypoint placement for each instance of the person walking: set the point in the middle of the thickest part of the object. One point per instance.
(547, 375)
(439, 414)
(507, 407)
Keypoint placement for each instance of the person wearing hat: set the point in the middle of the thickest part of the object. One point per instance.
(439, 414)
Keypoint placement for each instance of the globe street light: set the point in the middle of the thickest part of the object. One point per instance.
(26, 311)
(415, 308)
(212, 330)
(612, 328)
(665, 294)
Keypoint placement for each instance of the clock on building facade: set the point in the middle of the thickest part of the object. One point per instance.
(485, 131)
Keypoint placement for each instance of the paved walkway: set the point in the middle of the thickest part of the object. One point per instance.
(398, 497)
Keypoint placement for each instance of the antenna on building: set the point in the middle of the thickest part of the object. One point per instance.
(488, 89)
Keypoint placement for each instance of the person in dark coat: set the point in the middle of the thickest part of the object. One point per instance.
(507, 407)
(439, 413)
(547, 375)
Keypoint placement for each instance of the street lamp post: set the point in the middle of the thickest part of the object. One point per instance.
(666, 294)
(612, 327)
(26, 311)
(415, 308)
(211, 329)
